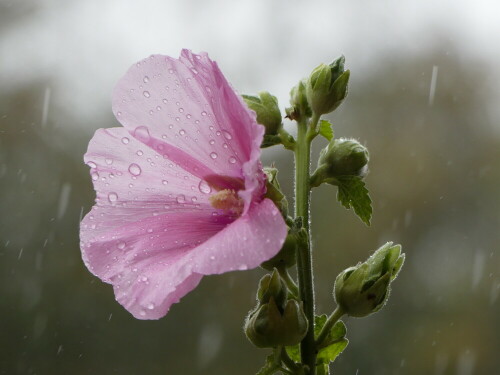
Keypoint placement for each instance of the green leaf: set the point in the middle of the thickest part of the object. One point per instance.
(325, 129)
(353, 193)
(333, 345)
(323, 369)
(270, 367)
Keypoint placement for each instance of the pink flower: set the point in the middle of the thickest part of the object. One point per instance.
(179, 187)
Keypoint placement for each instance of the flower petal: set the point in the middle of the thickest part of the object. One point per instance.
(187, 107)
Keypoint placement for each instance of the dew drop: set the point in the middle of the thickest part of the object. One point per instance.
(181, 110)
(139, 152)
(203, 113)
(142, 313)
(109, 161)
(134, 169)
(95, 176)
(121, 245)
(204, 187)
(91, 164)
(125, 140)
(146, 94)
(211, 141)
(158, 108)
(164, 182)
(227, 135)
(182, 132)
(181, 199)
(232, 160)
(213, 155)
(145, 79)
(118, 114)
(151, 306)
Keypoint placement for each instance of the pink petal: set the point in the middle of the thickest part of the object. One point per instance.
(156, 261)
(187, 108)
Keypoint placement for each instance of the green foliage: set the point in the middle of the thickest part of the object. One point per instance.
(326, 130)
(353, 194)
(331, 347)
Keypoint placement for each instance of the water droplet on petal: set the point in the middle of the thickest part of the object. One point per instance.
(142, 134)
(204, 187)
(109, 161)
(164, 182)
(227, 135)
(146, 94)
(112, 197)
(181, 199)
(151, 306)
(213, 155)
(242, 267)
(95, 176)
(142, 313)
(91, 164)
(182, 132)
(211, 141)
(125, 140)
(232, 160)
(139, 152)
(203, 113)
(121, 245)
(134, 169)
(146, 79)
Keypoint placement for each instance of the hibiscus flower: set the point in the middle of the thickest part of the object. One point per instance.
(179, 188)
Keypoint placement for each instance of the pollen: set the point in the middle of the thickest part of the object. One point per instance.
(227, 199)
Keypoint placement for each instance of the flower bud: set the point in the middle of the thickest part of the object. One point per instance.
(298, 99)
(342, 157)
(271, 286)
(269, 327)
(267, 110)
(365, 288)
(286, 257)
(327, 86)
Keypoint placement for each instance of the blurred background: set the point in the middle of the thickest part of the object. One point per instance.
(424, 97)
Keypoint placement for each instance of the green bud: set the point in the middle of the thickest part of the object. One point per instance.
(271, 286)
(298, 99)
(342, 157)
(268, 327)
(286, 257)
(326, 88)
(273, 190)
(267, 110)
(364, 289)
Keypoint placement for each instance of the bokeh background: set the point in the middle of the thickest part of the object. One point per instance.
(424, 97)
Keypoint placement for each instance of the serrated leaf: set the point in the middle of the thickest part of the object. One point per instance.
(353, 194)
(325, 129)
(269, 367)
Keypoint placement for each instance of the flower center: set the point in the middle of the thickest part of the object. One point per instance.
(227, 199)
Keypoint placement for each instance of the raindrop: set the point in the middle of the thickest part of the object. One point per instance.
(181, 199)
(91, 164)
(232, 160)
(212, 142)
(203, 113)
(121, 245)
(145, 79)
(142, 313)
(182, 132)
(151, 306)
(227, 135)
(112, 197)
(158, 108)
(165, 101)
(146, 94)
(142, 133)
(213, 155)
(139, 152)
(134, 169)
(164, 182)
(181, 110)
(95, 176)
(109, 161)
(125, 140)
(204, 187)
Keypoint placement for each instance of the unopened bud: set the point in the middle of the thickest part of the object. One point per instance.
(327, 86)
(269, 327)
(364, 289)
(271, 286)
(298, 99)
(267, 110)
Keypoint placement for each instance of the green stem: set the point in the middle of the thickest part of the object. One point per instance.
(288, 361)
(304, 257)
(332, 319)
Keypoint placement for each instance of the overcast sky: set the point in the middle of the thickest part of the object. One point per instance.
(83, 47)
